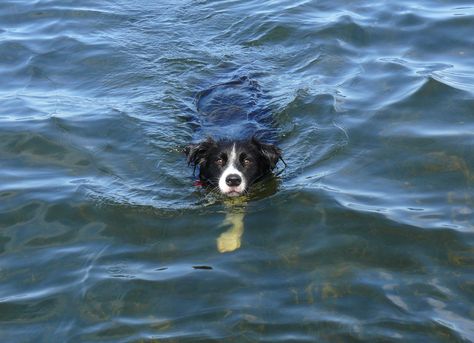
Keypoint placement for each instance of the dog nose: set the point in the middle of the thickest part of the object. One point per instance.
(233, 180)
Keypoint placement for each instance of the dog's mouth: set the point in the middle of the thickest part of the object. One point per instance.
(233, 192)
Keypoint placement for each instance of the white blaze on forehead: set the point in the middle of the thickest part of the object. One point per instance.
(231, 168)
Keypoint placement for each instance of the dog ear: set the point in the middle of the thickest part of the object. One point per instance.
(196, 153)
(269, 151)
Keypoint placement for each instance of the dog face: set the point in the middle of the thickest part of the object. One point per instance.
(232, 166)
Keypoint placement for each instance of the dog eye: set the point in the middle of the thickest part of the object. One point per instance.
(246, 162)
(219, 161)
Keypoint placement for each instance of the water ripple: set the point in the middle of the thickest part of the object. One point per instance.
(365, 236)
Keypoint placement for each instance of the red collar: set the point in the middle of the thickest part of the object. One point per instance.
(198, 183)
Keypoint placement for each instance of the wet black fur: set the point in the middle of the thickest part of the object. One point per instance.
(263, 158)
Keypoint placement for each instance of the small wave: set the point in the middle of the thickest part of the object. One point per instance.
(455, 78)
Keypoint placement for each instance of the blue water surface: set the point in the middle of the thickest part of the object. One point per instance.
(366, 236)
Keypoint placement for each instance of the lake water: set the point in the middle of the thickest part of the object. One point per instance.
(367, 235)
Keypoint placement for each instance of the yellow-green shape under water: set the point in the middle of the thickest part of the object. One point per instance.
(231, 239)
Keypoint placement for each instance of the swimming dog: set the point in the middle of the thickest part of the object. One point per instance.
(241, 152)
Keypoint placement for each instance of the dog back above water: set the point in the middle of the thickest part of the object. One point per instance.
(239, 149)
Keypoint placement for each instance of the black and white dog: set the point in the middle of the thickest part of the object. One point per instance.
(233, 165)
(243, 152)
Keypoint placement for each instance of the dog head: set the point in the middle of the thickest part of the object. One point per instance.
(232, 166)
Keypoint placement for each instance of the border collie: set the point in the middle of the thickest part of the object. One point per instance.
(237, 158)
(233, 165)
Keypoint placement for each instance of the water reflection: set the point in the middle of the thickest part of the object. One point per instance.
(368, 238)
